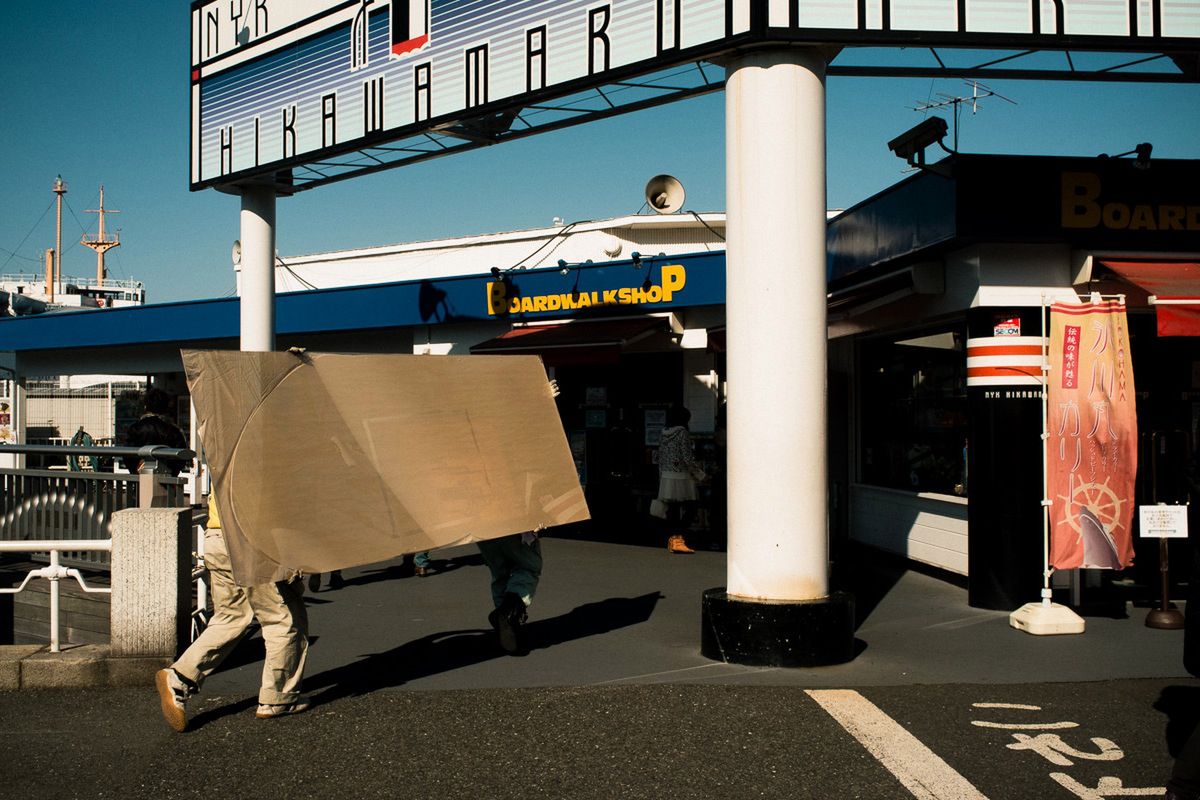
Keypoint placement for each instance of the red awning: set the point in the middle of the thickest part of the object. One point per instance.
(591, 340)
(1174, 289)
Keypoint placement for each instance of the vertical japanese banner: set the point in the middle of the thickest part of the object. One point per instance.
(1092, 423)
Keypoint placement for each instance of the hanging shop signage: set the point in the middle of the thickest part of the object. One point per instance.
(504, 297)
(1092, 446)
(1109, 203)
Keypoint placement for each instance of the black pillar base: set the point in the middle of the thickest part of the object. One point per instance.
(765, 633)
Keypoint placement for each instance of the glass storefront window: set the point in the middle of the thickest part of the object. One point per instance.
(914, 411)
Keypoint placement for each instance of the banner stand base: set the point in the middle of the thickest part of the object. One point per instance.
(1046, 619)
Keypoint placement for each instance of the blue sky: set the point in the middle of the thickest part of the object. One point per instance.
(98, 92)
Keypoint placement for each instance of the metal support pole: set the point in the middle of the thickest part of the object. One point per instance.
(55, 568)
(1166, 616)
(20, 414)
(258, 268)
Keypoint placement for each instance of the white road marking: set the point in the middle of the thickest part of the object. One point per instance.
(1025, 726)
(918, 768)
(1019, 706)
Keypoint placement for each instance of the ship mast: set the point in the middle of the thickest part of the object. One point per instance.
(60, 189)
(98, 242)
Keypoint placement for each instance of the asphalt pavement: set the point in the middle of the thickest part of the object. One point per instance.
(412, 698)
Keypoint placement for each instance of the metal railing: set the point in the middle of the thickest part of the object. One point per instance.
(55, 572)
(76, 505)
(77, 509)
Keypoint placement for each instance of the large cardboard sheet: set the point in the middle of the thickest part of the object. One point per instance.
(323, 461)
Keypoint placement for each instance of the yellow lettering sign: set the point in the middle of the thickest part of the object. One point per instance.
(1079, 206)
(1082, 207)
(674, 278)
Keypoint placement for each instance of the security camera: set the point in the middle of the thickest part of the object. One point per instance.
(911, 144)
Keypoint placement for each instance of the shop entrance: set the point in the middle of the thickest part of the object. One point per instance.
(613, 413)
(1167, 378)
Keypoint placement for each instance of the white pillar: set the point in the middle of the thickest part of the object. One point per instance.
(258, 268)
(776, 328)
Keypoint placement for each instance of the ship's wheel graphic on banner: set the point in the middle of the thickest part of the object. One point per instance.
(1094, 509)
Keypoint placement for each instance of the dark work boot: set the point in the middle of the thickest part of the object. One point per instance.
(509, 618)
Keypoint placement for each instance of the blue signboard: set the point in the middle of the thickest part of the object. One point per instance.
(610, 289)
(277, 84)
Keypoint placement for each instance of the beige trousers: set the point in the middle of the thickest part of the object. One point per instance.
(280, 610)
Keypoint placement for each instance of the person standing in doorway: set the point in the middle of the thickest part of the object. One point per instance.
(678, 473)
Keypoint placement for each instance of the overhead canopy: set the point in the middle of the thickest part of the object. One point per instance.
(590, 340)
(1174, 290)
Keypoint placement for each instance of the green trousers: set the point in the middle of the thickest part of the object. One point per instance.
(515, 566)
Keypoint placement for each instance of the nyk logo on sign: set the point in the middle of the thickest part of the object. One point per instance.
(409, 23)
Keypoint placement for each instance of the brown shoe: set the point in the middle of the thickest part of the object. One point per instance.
(172, 697)
(676, 545)
(269, 711)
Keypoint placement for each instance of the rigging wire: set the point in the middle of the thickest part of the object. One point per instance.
(82, 229)
(13, 253)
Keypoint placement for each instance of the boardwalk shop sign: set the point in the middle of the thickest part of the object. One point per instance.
(277, 84)
(502, 300)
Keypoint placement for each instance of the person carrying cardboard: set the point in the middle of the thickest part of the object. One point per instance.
(279, 608)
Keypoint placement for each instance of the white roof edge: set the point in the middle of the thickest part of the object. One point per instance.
(687, 220)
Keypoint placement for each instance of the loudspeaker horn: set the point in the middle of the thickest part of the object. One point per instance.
(664, 194)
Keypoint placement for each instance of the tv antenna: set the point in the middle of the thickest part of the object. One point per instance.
(979, 91)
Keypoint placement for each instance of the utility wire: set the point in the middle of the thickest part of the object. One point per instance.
(561, 232)
(705, 224)
(293, 272)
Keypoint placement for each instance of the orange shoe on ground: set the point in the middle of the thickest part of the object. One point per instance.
(676, 545)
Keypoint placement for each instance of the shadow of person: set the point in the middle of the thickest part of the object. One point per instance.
(450, 650)
(433, 304)
(220, 712)
(1181, 705)
(404, 569)
(593, 618)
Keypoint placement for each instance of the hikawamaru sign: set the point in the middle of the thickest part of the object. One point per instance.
(277, 84)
